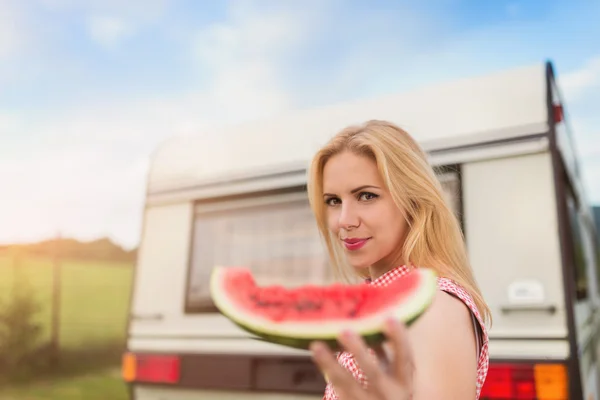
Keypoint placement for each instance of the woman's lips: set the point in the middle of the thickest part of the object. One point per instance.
(355, 243)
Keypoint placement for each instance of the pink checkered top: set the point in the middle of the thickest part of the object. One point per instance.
(347, 360)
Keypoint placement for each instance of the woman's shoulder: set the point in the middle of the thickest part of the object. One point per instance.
(450, 309)
(453, 317)
(457, 295)
(442, 336)
(449, 286)
(452, 330)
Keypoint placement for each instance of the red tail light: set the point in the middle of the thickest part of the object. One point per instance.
(558, 113)
(526, 382)
(152, 368)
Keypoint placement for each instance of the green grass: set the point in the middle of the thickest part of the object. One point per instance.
(93, 319)
(94, 297)
(103, 385)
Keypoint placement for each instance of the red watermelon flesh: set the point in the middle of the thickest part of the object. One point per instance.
(292, 316)
(311, 303)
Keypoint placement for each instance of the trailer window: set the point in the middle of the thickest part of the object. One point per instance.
(596, 229)
(276, 236)
(578, 251)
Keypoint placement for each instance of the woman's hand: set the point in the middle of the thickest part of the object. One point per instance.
(392, 383)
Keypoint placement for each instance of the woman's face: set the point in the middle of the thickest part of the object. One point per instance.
(361, 213)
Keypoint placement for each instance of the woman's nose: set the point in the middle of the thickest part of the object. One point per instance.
(348, 217)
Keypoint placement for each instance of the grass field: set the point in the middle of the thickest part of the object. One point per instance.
(94, 297)
(102, 385)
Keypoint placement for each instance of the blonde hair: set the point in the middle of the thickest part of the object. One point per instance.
(435, 239)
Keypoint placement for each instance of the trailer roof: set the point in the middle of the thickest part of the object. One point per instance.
(504, 105)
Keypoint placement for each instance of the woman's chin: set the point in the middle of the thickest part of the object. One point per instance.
(360, 263)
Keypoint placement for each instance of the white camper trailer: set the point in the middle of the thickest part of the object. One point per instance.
(235, 196)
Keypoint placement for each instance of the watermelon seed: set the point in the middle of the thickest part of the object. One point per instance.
(261, 303)
(308, 305)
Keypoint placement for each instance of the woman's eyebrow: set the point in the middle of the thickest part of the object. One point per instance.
(358, 189)
(363, 188)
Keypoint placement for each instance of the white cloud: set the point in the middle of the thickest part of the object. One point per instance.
(83, 187)
(586, 132)
(84, 174)
(245, 54)
(109, 21)
(84, 170)
(143, 10)
(580, 82)
(581, 90)
(14, 30)
(108, 30)
(11, 35)
(10, 121)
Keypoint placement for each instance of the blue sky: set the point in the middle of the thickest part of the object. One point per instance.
(88, 88)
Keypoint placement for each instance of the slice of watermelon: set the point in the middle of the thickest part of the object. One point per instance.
(295, 317)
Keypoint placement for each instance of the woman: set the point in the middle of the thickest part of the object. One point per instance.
(382, 212)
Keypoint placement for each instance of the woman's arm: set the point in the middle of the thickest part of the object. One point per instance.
(394, 384)
(434, 359)
(445, 352)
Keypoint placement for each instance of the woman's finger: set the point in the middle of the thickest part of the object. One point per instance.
(344, 383)
(369, 364)
(383, 356)
(403, 362)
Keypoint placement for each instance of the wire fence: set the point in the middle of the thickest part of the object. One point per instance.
(82, 305)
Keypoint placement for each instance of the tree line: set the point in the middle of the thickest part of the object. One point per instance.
(102, 249)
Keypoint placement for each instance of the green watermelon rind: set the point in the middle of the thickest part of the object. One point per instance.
(300, 334)
(372, 339)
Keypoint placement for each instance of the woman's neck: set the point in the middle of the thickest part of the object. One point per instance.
(385, 265)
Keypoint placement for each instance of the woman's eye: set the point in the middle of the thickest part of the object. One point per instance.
(367, 196)
(332, 201)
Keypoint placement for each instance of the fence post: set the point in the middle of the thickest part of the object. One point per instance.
(16, 270)
(56, 296)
